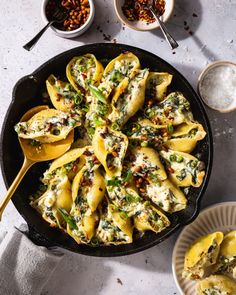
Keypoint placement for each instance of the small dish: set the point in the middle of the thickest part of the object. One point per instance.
(219, 217)
(141, 25)
(217, 86)
(72, 33)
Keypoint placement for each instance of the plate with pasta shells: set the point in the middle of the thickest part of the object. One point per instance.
(141, 156)
(204, 256)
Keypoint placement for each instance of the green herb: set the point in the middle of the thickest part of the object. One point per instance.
(123, 215)
(170, 128)
(114, 182)
(91, 131)
(78, 98)
(179, 159)
(95, 242)
(97, 93)
(144, 144)
(85, 108)
(34, 142)
(193, 163)
(182, 175)
(155, 179)
(128, 176)
(132, 199)
(173, 158)
(115, 76)
(115, 126)
(102, 108)
(56, 131)
(68, 219)
(149, 113)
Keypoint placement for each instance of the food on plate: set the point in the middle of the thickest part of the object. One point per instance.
(125, 171)
(48, 126)
(216, 285)
(226, 262)
(201, 254)
(135, 10)
(78, 12)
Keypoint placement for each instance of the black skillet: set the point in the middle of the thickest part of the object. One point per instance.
(28, 93)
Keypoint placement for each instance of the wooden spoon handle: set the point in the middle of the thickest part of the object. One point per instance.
(26, 165)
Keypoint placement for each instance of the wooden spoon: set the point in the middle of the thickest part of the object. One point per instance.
(35, 154)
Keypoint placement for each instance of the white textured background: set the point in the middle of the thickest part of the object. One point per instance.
(214, 38)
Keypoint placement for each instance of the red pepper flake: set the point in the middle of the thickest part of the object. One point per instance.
(137, 10)
(171, 170)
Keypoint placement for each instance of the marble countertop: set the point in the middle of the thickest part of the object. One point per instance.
(205, 30)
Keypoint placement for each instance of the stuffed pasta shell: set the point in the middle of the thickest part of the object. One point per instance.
(63, 96)
(184, 169)
(83, 71)
(173, 110)
(48, 126)
(125, 198)
(147, 133)
(226, 262)
(125, 104)
(185, 137)
(150, 218)
(201, 254)
(88, 189)
(110, 147)
(216, 285)
(57, 196)
(165, 195)
(146, 163)
(157, 84)
(118, 72)
(114, 227)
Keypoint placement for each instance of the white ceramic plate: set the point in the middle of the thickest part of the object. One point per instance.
(219, 217)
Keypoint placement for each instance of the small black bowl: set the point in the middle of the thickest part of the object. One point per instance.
(27, 93)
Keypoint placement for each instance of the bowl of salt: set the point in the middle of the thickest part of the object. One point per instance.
(217, 86)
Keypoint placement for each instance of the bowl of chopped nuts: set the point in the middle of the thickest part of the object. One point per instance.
(80, 15)
(136, 14)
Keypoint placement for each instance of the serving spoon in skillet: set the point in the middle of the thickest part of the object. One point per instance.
(35, 154)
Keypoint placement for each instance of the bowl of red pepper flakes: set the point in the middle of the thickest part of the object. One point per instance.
(136, 15)
(80, 15)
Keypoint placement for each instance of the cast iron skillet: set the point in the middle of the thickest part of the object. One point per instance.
(28, 93)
